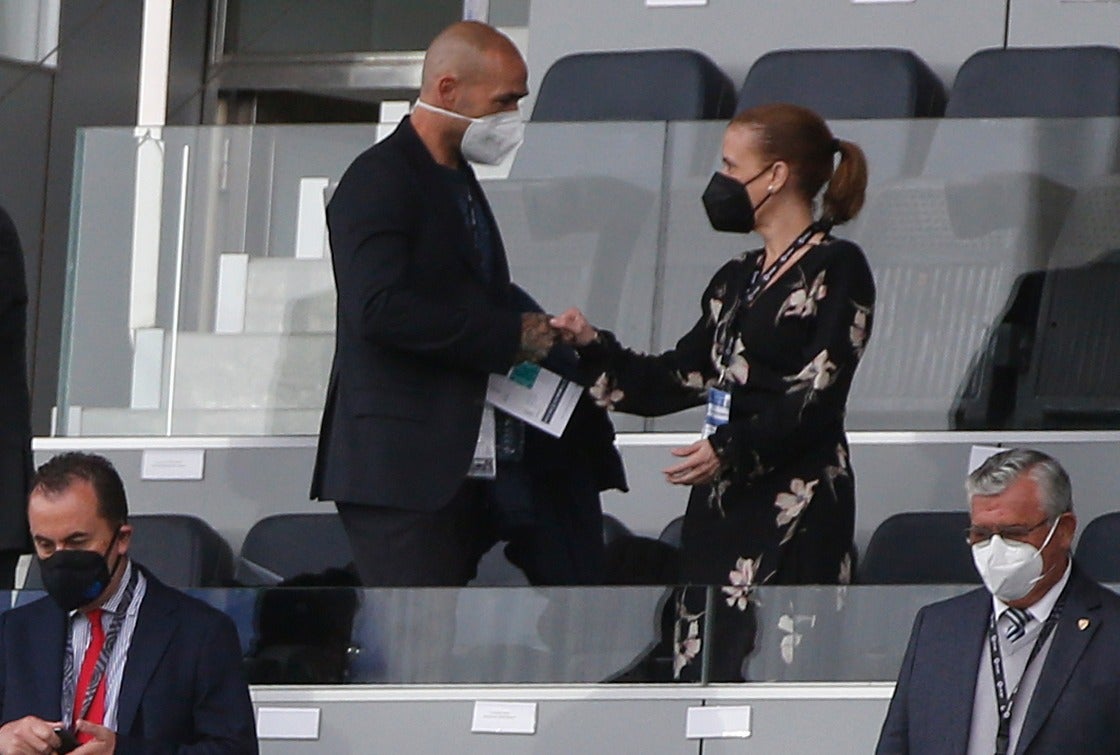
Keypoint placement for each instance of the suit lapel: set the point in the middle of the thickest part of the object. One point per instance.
(155, 627)
(1066, 649)
(46, 660)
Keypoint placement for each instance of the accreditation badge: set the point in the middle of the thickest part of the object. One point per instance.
(484, 465)
(719, 411)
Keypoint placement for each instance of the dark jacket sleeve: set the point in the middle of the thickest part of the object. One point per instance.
(375, 219)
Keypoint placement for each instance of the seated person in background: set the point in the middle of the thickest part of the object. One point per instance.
(1029, 664)
(112, 658)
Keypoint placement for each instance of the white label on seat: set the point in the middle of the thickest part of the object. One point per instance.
(287, 723)
(718, 722)
(504, 718)
(977, 455)
(673, 3)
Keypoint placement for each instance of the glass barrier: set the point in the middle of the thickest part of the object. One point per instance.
(513, 635)
(201, 302)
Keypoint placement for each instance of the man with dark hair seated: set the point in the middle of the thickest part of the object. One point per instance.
(113, 659)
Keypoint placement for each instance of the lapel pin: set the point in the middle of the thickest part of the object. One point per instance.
(1082, 624)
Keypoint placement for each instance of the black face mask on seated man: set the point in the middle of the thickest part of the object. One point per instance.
(74, 578)
(728, 205)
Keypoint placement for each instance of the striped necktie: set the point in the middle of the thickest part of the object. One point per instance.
(1017, 619)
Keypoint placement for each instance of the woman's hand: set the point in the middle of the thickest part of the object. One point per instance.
(699, 465)
(573, 328)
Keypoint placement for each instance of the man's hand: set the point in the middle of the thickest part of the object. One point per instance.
(700, 465)
(574, 327)
(537, 337)
(104, 740)
(29, 736)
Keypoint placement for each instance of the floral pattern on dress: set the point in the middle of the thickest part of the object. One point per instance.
(695, 381)
(742, 579)
(686, 637)
(793, 627)
(843, 579)
(737, 369)
(605, 392)
(719, 486)
(815, 376)
(839, 469)
(858, 331)
(802, 300)
(791, 505)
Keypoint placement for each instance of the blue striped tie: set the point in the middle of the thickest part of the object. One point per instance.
(1017, 619)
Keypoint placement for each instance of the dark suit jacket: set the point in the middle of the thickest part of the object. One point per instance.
(15, 423)
(182, 691)
(1076, 704)
(419, 329)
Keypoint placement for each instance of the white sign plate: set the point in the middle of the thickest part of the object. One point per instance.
(492, 717)
(718, 722)
(172, 464)
(287, 723)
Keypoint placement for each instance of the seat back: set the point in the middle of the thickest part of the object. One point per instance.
(1071, 378)
(179, 549)
(846, 83)
(613, 529)
(1096, 551)
(1037, 82)
(672, 532)
(919, 548)
(639, 85)
(286, 545)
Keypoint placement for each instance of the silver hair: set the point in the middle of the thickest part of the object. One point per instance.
(999, 472)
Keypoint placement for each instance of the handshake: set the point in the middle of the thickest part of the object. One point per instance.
(540, 332)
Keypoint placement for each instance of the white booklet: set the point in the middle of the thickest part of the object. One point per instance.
(536, 396)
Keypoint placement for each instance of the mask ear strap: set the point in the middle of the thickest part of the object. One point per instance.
(1053, 529)
(109, 550)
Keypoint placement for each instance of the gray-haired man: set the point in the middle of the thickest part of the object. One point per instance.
(1031, 662)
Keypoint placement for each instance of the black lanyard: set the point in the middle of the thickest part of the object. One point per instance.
(758, 282)
(1005, 700)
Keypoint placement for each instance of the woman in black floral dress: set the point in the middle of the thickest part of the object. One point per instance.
(781, 332)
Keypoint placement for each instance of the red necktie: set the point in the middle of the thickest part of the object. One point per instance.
(96, 712)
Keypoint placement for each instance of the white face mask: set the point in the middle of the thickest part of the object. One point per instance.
(488, 140)
(1010, 568)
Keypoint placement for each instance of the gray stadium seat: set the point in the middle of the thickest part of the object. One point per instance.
(919, 548)
(285, 545)
(640, 85)
(846, 83)
(1097, 552)
(180, 550)
(672, 532)
(1037, 82)
(1071, 378)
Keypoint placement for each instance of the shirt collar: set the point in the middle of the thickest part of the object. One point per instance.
(1044, 605)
